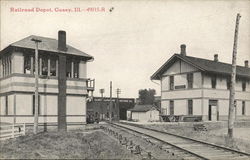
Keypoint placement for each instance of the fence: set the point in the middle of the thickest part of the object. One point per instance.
(11, 131)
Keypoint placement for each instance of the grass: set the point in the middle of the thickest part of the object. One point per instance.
(72, 144)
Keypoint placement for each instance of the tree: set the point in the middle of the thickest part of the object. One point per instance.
(147, 96)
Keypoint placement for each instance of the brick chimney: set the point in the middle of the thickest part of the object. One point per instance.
(183, 49)
(216, 58)
(62, 41)
(246, 63)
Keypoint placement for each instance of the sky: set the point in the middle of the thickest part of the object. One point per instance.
(133, 40)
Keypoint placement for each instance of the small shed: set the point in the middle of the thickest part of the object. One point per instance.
(143, 113)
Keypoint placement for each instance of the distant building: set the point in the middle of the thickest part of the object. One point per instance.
(63, 82)
(196, 86)
(100, 106)
(143, 113)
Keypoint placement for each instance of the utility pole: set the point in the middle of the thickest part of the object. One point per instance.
(102, 91)
(118, 91)
(233, 77)
(110, 102)
(36, 85)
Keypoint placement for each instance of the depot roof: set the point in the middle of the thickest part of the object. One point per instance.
(47, 44)
(206, 65)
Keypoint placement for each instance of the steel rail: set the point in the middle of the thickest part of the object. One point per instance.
(181, 137)
(192, 153)
(184, 137)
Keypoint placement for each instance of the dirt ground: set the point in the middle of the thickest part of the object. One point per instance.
(240, 133)
(76, 144)
(216, 134)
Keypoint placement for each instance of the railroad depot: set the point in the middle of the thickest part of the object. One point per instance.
(63, 82)
(193, 86)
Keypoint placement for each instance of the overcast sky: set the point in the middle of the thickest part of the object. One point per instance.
(130, 43)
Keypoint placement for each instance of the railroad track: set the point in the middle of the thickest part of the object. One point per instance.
(186, 147)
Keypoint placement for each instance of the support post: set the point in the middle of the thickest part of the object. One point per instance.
(62, 124)
(36, 86)
(118, 91)
(233, 77)
(110, 103)
(102, 92)
(13, 131)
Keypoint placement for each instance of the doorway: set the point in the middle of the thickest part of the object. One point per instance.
(212, 110)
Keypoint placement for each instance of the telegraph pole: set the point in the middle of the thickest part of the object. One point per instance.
(118, 91)
(102, 91)
(110, 102)
(233, 77)
(36, 85)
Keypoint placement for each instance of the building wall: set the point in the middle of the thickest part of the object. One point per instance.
(101, 107)
(140, 116)
(197, 107)
(17, 62)
(165, 83)
(19, 89)
(24, 83)
(151, 115)
(76, 109)
(181, 94)
(197, 81)
(24, 107)
(129, 115)
(180, 67)
(48, 105)
(2, 105)
(201, 93)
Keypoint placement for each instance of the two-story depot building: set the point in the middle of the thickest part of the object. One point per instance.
(63, 83)
(196, 86)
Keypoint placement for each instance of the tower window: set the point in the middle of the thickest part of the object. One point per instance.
(213, 81)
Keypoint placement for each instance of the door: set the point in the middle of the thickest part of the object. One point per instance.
(212, 110)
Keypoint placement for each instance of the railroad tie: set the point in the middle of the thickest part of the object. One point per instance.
(125, 141)
(149, 155)
(131, 145)
(120, 138)
(136, 150)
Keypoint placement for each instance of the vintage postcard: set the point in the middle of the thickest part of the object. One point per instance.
(164, 79)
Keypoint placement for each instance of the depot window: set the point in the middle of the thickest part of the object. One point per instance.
(47, 65)
(171, 109)
(6, 105)
(243, 107)
(213, 81)
(72, 68)
(228, 83)
(171, 82)
(190, 80)
(190, 107)
(5, 67)
(53, 66)
(244, 86)
(27, 64)
(44, 65)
